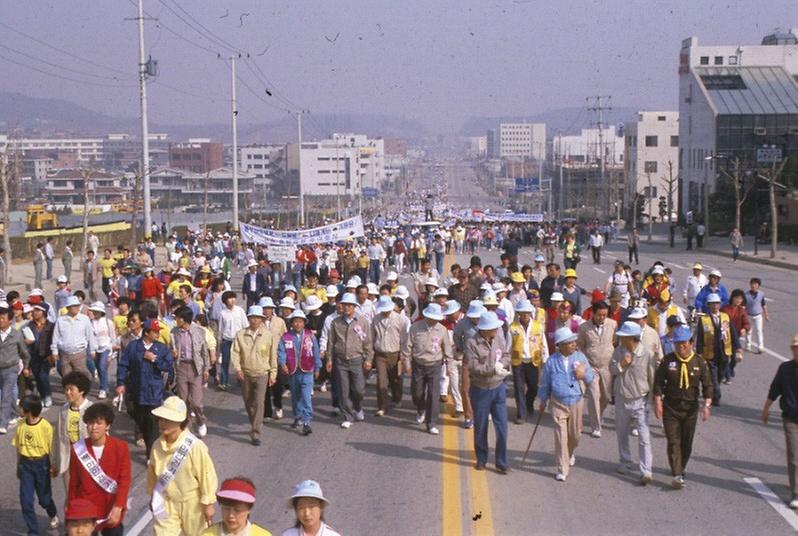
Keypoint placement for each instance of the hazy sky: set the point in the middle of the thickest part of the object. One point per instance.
(438, 62)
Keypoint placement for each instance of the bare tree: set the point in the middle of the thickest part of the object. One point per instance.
(737, 177)
(86, 173)
(135, 216)
(671, 181)
(772, 177)
(6, 218)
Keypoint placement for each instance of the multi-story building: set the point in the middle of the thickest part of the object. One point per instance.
(651, 161)
(478, 146)
(492, 143)
(85, 150)
(395, 147)
(66, 187)
(267, 164)
(123, 151)
(522, 140)
(199, 155)
(342, 165)
(174, 187)
(733, 100)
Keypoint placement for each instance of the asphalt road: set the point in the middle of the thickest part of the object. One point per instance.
(387, 475)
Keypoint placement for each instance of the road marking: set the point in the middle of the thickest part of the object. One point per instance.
(774, 354)
(480, 495)
(140, 525)
(773, 500)
(680, 267)
(451, 509)
(599, 270)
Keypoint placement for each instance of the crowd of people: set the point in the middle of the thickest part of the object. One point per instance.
(327, 321)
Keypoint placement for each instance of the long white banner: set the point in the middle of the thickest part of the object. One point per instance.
(350, 228)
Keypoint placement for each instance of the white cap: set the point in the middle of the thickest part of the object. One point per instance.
(392, 276)
(373, 289)
(332, 291)
(402, 292)
(638, 313)
(716, 273)
(312, 302)
(440, 292)
(557, 296)
(288, 303)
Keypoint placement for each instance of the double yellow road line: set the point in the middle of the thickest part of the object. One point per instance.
(471, 514)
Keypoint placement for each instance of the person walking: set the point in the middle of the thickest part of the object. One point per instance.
(349, 352)
(736, 242)
(38, 265)
(562, 381)
(232, 319)
(595, 341)
(596, 242)
(308, 503)
(99, 470)
(633, 244)
(66, 260)
(488, 362)
(192, 364)
(70, 427)
(72, 338)
(104, 343)
(717, 342)
(181, 477)
(49, 255)
(463, 331)
(254, 359)
(528, 352)
(757, 310)
(236, 497)
(140, 376)
(90, 275)
(633, 368)
(428, 348)
(389, 335)
(700, 231)
(676, 400)
(784, 388)
(299, 359)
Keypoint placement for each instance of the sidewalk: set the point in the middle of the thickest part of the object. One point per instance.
(786, 256)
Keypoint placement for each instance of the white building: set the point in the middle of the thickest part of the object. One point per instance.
(85, 149)
(343, 165)
(652, 152)
(478, 146)
(65, 187)
(179, 188)
(264, 162)
(585, 149)
(732, 100)
(522, 140)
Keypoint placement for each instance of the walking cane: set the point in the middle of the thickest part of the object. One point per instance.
(535, 431)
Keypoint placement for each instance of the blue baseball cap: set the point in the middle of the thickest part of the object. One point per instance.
(682, 334)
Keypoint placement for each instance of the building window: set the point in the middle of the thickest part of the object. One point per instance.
(704, 60)
(732, 60)
(674, 141)
(723, 81)
(651, 141)
(718, 60)
(661, 118)
(650, 166)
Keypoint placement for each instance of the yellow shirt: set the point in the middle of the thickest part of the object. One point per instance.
(107, 266)
(33, 440)
(73, 425)
(195, 480)
(120, 324)
(210, 340)
(321, 292)
(363, 261)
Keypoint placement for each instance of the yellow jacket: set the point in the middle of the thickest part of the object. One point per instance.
(708, 349)
(254, 530)
(653, 315)
(536, 338)
(254, 352)
(195, 480)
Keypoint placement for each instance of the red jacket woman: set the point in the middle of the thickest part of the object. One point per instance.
(737, 312)
(113, 457)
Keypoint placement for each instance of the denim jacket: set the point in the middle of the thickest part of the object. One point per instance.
(561, 384)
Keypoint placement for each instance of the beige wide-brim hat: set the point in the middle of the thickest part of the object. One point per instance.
(173, 409)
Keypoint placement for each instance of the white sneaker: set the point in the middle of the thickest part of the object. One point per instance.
(360, 416)
(560, 477)
(794, 503)
(420, 417)
(596, 433)
(3, 430)
(346, 425)
(379, 413)
(278, 414)
(13, 421)
(54, 522)
(323, 387)
(572, 461)
(202, 431)
(635, 432)
(677, 482)
(48, 401)
(646, 479)
(102, 395)
(434, 431)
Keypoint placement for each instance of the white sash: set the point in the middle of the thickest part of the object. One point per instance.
(158, 503)
(96, 472)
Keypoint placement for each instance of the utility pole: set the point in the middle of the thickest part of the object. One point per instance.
(560, 202)
(145, 131)
(234, 111)
(135, 215)
(298, 115)
(337, 178)
(599, 107)
(650, 213)
(671, 181)
(6, 218)
(86, 174)
(707, 160)
(205, 203)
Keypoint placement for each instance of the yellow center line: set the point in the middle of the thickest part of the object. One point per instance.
(481, 513)
(451, 511)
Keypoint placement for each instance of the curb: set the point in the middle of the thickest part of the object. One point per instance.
(756, 260)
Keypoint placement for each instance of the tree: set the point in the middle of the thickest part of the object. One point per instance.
(772, 177)
(672, 182)
(737, 179)
(6, 219)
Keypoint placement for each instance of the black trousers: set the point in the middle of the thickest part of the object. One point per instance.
(633, 252)
(147, 423)
(679, 421)
(525, 389)
(274, 396)
(596, 254)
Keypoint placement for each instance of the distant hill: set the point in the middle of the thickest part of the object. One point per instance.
(565, 120)
(56, 116)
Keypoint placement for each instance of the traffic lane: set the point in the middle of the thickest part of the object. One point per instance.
(734, 423)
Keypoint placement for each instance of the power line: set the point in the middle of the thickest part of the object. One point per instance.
(260, 74)
(178, 34)
(193, 27)
(209, 32)
(62, 77)
(57, 66)
(63, 51)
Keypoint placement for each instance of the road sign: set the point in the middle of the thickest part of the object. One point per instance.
(369, 193)
(769, 154)
(527, 185)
